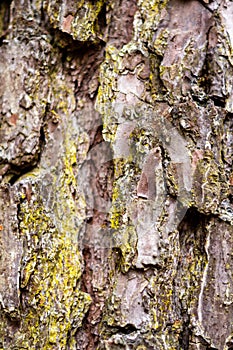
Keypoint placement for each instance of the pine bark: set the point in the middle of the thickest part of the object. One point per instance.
(116, 174)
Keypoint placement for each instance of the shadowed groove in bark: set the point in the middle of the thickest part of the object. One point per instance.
(4, 18)
(192, 221)
(101, 183)
(185, 334)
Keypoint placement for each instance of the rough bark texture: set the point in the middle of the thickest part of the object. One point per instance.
(116, 174)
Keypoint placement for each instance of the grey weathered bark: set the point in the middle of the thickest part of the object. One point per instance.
(116, 174)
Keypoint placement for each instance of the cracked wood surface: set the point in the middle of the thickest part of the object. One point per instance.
(116, 175)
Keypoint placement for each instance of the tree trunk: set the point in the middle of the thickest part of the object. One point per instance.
(116, 174)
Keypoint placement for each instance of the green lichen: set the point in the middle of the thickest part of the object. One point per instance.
(161, 42)
(148, 20)
(85, 24)
(208, 175)
(50, 275)
(51, 267)
(127, 247)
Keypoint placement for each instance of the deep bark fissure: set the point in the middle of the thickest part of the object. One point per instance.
(92, 338)
(4, 18)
